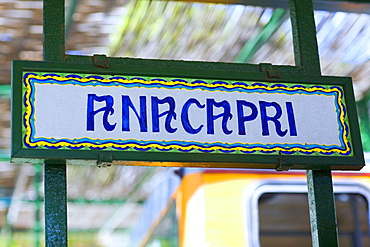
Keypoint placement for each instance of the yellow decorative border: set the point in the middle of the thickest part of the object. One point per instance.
(180, 146)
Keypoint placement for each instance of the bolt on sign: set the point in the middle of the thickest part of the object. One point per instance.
(181, 114)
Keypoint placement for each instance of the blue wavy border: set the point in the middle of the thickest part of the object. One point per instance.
(183, 146)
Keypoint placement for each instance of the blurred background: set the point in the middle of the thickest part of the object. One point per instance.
(104, 203)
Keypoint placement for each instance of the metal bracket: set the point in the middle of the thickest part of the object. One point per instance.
(270, 72)
(100, 61)
(285, 163)
(105, 160)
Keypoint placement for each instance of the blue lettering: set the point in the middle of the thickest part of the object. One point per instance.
(107, 109)
(291, 120)
(226, 115)
(126, 104)
(170, 113)
(274, 119)
(241, 118)
(270, 114)
(185, 116)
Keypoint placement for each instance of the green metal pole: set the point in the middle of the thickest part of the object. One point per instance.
(55, 180)
(306, 52)
(54, 37)
(55, 205)
(255, 43)
(320, 186)
(322, 209)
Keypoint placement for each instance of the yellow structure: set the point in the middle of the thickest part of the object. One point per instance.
(234, 208)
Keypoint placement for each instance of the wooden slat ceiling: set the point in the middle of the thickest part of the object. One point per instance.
(217, 32)
(168, 30)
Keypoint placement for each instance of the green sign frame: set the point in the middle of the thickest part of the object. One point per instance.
(263, 74)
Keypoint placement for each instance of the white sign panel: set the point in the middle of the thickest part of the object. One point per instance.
(183, 115)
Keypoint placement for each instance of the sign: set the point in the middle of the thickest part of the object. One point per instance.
(181, 118)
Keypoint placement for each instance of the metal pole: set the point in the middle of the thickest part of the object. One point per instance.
(320, 187)
(322, 209)
(306, 52)
(54, 37)
(55, 172)
(55, 205)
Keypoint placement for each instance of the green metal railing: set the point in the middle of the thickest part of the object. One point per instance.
(55, 179)
(321, 199)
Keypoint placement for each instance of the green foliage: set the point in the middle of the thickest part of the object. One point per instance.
(28, 239)
(363, 110)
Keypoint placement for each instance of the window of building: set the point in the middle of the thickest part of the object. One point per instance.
(284, 219)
